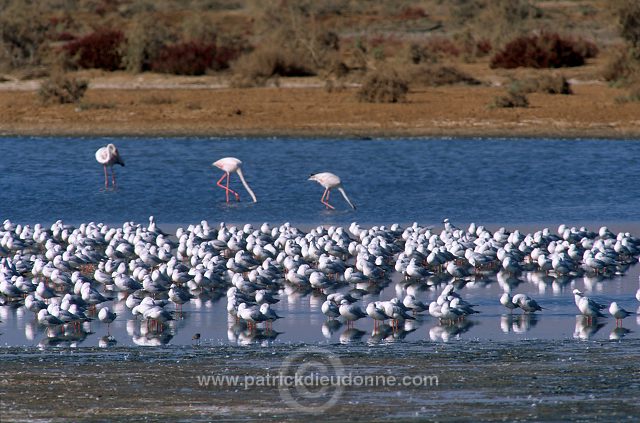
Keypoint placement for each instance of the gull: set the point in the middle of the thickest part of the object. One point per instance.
(376, 312)
(330, 309)
(414, 304)
(105, 315)
(589, 309)
(250, 314)
(578, 295)
(507, 301)
(263, 296)
(179, 296)
(618, 312)
(47, 319)
(526, 303)
(230, 165)
(108, 156)
(351, 312)
(330, 181)
(268, 315)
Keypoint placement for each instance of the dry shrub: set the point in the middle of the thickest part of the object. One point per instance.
(633, 95)
(144, 41)
(384, 86)
(299, 31)
(98, 50)
(472, 46)
(433, 50)
(545, 50)
(495, 20)
(621, 68)
(628, 12)
(511, 99)
(554, 84)
(62, 89)
(256, 68)
(157, 100)
(547, 84)
(437, 75)
(23, 36)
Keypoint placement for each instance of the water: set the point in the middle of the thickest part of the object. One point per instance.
(502, 366)
(500, 181)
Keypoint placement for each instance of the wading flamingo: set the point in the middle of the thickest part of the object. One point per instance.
(229, 165)
(329, 181)
(108, 156)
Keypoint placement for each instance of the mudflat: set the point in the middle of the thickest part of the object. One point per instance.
(530, 380)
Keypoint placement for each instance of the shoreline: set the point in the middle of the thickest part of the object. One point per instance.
(178, 107)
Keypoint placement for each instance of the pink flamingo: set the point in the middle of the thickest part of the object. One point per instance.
(330, 181)
(229, 165)
(108, 156)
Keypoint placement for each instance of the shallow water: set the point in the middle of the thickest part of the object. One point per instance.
(499, 181)
(491, 366)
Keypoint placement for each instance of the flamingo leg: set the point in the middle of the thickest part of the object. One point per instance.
(226, 187)
(230, 190)
(113, 178)
(325, 199)
(106, 177)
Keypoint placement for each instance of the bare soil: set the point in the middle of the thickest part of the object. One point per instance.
(161, 105)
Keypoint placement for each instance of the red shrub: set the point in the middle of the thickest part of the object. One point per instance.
(194, 58)
(224, 56)
(547, 50)
(410, 12)
(483, 47)
(188, 58)
(441, 46)
(100, 50)
(62, 36)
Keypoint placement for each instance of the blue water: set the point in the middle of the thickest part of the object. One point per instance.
(390, 180)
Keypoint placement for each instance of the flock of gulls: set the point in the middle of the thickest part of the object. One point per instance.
(67, 276)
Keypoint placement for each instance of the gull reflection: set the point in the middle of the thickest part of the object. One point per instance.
(351, 335)
(444, 333)
(518, 323)
(584, 329)
(618, 333)
(330, 327)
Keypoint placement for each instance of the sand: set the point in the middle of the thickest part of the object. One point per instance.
(160, 105)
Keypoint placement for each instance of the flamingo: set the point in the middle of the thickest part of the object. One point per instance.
(108, 156)
(329, 181)
(229, 165)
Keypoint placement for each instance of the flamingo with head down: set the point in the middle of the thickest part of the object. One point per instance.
(230, 165)
(330, 181)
